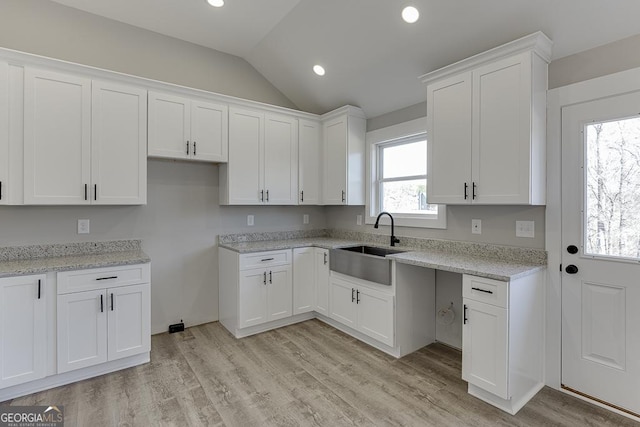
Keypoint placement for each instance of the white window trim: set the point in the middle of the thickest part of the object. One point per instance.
(373, 138)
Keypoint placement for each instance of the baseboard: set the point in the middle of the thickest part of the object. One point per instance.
(252, 330)
(600, 403)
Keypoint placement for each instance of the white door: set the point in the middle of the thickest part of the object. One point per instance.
(601, 250)
(57, 138)
(169, 126)
(375, 314)
(209, 131)
(279, 292)
(449, 145)
(82, 330)
(335, 158)
(118, 144)
(129, 311)
(310, 162)
(303, 279)
(322, 281)
(280, 160)
(485, 347)
(22, 329)
(252, 298)
(246, 145)
(342, 304)
(4, 132)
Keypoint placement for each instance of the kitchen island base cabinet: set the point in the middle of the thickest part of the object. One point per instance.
(503, 339)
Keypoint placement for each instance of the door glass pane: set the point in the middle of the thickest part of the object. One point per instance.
(404, 160)
(612, 211)
(406, 197)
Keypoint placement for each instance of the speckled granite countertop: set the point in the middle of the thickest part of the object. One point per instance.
(484, 260)
(36, 259)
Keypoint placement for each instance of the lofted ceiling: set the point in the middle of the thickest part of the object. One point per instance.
(372, 57)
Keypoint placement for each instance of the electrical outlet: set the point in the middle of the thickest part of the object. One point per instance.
(250, 220)
(476, 226)
(305, 219)
(525, 229)
(83, 226)
(359, 220)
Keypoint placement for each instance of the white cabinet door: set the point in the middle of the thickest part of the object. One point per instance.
(22, 329)
(449, 148)
(209, 131)
(118, 144)
(335, 156)
(252, 298)
(57, 138)
(4, 133)
(502, 131)
(82, 330)
(246, 145)
(279, 292)
(304, 286)
(322, 281)
(280, 160)
(129, 314)
(485, 347)
(375, 314)
(310, 162)
(342, 305)
(169, 126)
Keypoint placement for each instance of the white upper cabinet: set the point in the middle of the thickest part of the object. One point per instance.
(4, 133)
(344, 157)
(310, 163)
(182, 128)
(486, 126)
(263, 159)
(84, 141)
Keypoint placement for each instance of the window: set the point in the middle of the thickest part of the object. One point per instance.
(398, 177)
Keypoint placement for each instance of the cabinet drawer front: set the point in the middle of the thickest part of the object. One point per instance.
(265, 259)
(484, 290)
(100, 278)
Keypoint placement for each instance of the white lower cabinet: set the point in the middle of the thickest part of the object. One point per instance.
(110, 321)
(23, 328)
(367, 310)
(310, 280)
(321, 301)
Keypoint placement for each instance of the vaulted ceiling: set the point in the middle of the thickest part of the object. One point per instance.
(371, 56)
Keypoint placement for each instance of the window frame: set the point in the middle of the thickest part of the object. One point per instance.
(402, 132)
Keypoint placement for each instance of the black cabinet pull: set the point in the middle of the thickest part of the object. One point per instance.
(39, 288)
(101, 303)
(358, 297)
(325, 258)
(270, 277)
(466, 194)
(344, 196)
(267, 259)
(264, 278)
(301, 194)
(482, 290)
(107, 278)
(353, 298)
(112, 301)
(194, 148)
(85, 192)
(267, 195)
(187, 148)
(0, 190)
(262, 195)
(464, 316)
(95, 191)
(474, 191)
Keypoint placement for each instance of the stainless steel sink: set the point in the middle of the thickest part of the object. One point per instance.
(364, 262)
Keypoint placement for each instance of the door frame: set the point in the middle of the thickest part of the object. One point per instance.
(599, 87)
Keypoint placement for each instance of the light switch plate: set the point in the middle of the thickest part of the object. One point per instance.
(305, 219)
(250, 221)
(476, 226)
(83, 226)
(525, 229)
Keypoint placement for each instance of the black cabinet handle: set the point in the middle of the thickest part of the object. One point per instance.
(85, 192)
(264, 278)
(112, 301)
(267, 259)
(301, 194)
(107, 278)
(101, 303)
(353, 298)
(187, 148)
(95, 191)
(325, 258)
(474, 191)
(194, 148)
(466, 194)
(0, 190)
(262, 195)
(39, 288)
(267, 195)
(344, 196)
(270, 277)
(464, 316)
(358, 297)
(482, 290)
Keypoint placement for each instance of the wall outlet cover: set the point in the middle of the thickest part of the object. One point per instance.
(476, 226)
(305, 219)
(250, 220)
(525, 229)
(83, 226)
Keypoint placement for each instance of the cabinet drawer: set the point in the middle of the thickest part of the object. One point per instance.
(98, 278)
(265, 259)
(489, 291)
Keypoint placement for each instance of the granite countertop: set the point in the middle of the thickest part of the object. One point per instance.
(22, 260)
(470, 260)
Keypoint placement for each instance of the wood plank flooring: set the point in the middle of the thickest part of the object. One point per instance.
(308, 374)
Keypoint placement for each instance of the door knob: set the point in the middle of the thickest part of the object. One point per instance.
(572, 249)
(571, 269)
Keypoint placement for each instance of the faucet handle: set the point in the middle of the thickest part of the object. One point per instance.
(394, 240)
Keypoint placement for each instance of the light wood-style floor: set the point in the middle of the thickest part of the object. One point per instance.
(303, 375)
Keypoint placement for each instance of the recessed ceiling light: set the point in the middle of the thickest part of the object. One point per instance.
(216, 3)
(410, 14)
(318, 69)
